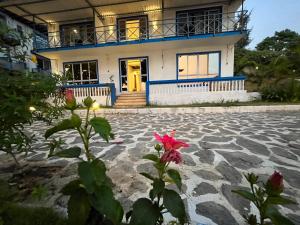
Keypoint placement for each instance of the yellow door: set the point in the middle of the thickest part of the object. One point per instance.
(134, 75)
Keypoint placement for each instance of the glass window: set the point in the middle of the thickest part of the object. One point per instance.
(182, 65)
(201, 65)
(81, 72)
(213, 64)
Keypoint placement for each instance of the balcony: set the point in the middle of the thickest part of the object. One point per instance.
(138, 31)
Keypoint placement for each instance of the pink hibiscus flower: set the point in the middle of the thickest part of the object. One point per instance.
(171, 146)
(169, 142)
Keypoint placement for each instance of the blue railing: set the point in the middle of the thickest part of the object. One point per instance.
(235, 83)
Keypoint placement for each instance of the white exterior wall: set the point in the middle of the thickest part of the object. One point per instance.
(162, 63)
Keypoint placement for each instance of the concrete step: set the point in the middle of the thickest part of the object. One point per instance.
(130, 103)
(131, 100)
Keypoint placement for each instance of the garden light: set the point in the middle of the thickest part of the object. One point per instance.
(31, 108)
(95, 106)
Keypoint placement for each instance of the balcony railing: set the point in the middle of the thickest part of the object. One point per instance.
(156, 29)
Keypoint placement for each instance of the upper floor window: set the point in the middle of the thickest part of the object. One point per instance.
(81, 72)
(198, 65)
(77, 34)
(132, 28)
(199, 21)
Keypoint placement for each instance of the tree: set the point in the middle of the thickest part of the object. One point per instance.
(281, 42)
(244, 19)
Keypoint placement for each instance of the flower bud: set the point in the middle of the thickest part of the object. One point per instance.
(70, 99)
(157, 147)
(275, 183)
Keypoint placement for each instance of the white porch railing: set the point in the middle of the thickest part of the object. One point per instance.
(104, 94)
(176, 92)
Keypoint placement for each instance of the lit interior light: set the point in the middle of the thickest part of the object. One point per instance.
(75, 31)
(95, 106)
(155, 25)
(32, 109)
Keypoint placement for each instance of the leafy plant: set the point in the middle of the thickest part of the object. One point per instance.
(24, 95)
(266, 198)
(150, 211)
(91, 197)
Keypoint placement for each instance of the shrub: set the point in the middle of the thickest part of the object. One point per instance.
(23, 98)
(284, 91)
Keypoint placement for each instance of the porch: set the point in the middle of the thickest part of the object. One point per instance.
(183, 92)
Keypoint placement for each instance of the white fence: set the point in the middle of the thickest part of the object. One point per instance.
(176, 93)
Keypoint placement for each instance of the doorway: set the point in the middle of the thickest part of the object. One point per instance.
(134, 74)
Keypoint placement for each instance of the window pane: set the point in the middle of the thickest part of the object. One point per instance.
(85, 71)
(93, 70)
(68, 72)
(182, 65)
(203, 65)
(76, 68)
(192, 64)
(213, 64)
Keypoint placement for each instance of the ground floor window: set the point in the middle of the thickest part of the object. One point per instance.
(84, 72)
(133, 74)
(198, 65)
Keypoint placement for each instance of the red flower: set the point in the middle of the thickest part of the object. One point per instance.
(171, 146)
(275, 182)
(69, 94)
(171, 156)
(169, 142)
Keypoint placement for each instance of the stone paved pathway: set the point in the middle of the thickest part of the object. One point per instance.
(223, 146)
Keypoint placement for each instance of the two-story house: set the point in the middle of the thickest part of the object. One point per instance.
(160, 52)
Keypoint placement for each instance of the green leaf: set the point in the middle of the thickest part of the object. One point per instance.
(63, 125)
(279, 200)
(277, 219)
(104, 202)
(158, 187)
(175, 176)
(73, 152)
(79, 207)
(92, 174)
(71, 187)
(151, 157)
(245, 194)
(102, 127)
(144, 213)
(147, 176)
(174, 204)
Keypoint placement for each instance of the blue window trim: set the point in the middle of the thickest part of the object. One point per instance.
(134, 57)
(83, 61)
(198, 53)
(132, 18)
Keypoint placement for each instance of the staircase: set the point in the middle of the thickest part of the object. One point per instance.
(131, 100)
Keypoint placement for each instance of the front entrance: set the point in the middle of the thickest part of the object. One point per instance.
(134, 74)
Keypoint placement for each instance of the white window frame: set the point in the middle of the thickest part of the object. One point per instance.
(82, 81)
(194, 76)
